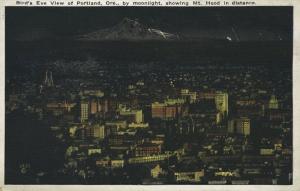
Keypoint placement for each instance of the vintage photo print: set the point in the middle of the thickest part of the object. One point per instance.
(149, 96)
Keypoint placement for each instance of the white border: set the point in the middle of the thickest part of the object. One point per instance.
(258, 2)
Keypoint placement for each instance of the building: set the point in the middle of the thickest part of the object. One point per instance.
(105, 162)
(273, 103)
(123, 140)
(98, 105)
(158, 139)
(131, 115)
(99, 131)
(174, 101)
(148, 159)
(92, 151)
(167, 110)
(266, 151)
(94, 106)
(156, 171)
(243, 126)
(117, 163)
(221, 101)
(59, 108)
(84, 111)
(240, 126)
(72, 131)
(189, 175)
(188, 95)
(158, 110)
(91, 92)
(147, 149)
(138, 125)
(95, 132)
(203, 114)
(171, 111)
(252, 111)
(103, 105)
(228, 173)
(245, 102)
(206, 95)
(115, 126)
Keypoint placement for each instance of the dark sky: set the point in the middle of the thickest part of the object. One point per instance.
(250, 23)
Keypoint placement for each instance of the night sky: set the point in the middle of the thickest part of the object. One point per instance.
(250, 23)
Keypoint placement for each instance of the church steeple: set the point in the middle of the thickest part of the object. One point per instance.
(48, 80)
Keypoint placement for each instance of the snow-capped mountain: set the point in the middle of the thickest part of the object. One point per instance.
(128, 29)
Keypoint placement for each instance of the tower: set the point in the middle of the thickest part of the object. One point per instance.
(84, 111)
(48, 80)
(51, 80)
(221, 101)
(273, 103)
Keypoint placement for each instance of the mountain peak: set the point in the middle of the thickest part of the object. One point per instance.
(129, 29)
(128, 20)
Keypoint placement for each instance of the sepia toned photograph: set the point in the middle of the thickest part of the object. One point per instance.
(149, 95)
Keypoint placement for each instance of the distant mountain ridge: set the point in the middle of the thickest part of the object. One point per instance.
(128, 29)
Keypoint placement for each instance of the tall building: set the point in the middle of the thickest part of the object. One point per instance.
(168, 109)
(84, 111)
(221, 101)
(240, 126)
(98, 131)
(139, 117)
(273, 103)
(243, 126)
(94, 106)
(103, 105)
(158, 110)
(171, 111)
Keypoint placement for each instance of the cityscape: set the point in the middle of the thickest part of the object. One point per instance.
(139, 103)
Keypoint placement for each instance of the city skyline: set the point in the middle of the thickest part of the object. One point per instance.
(135, 101)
